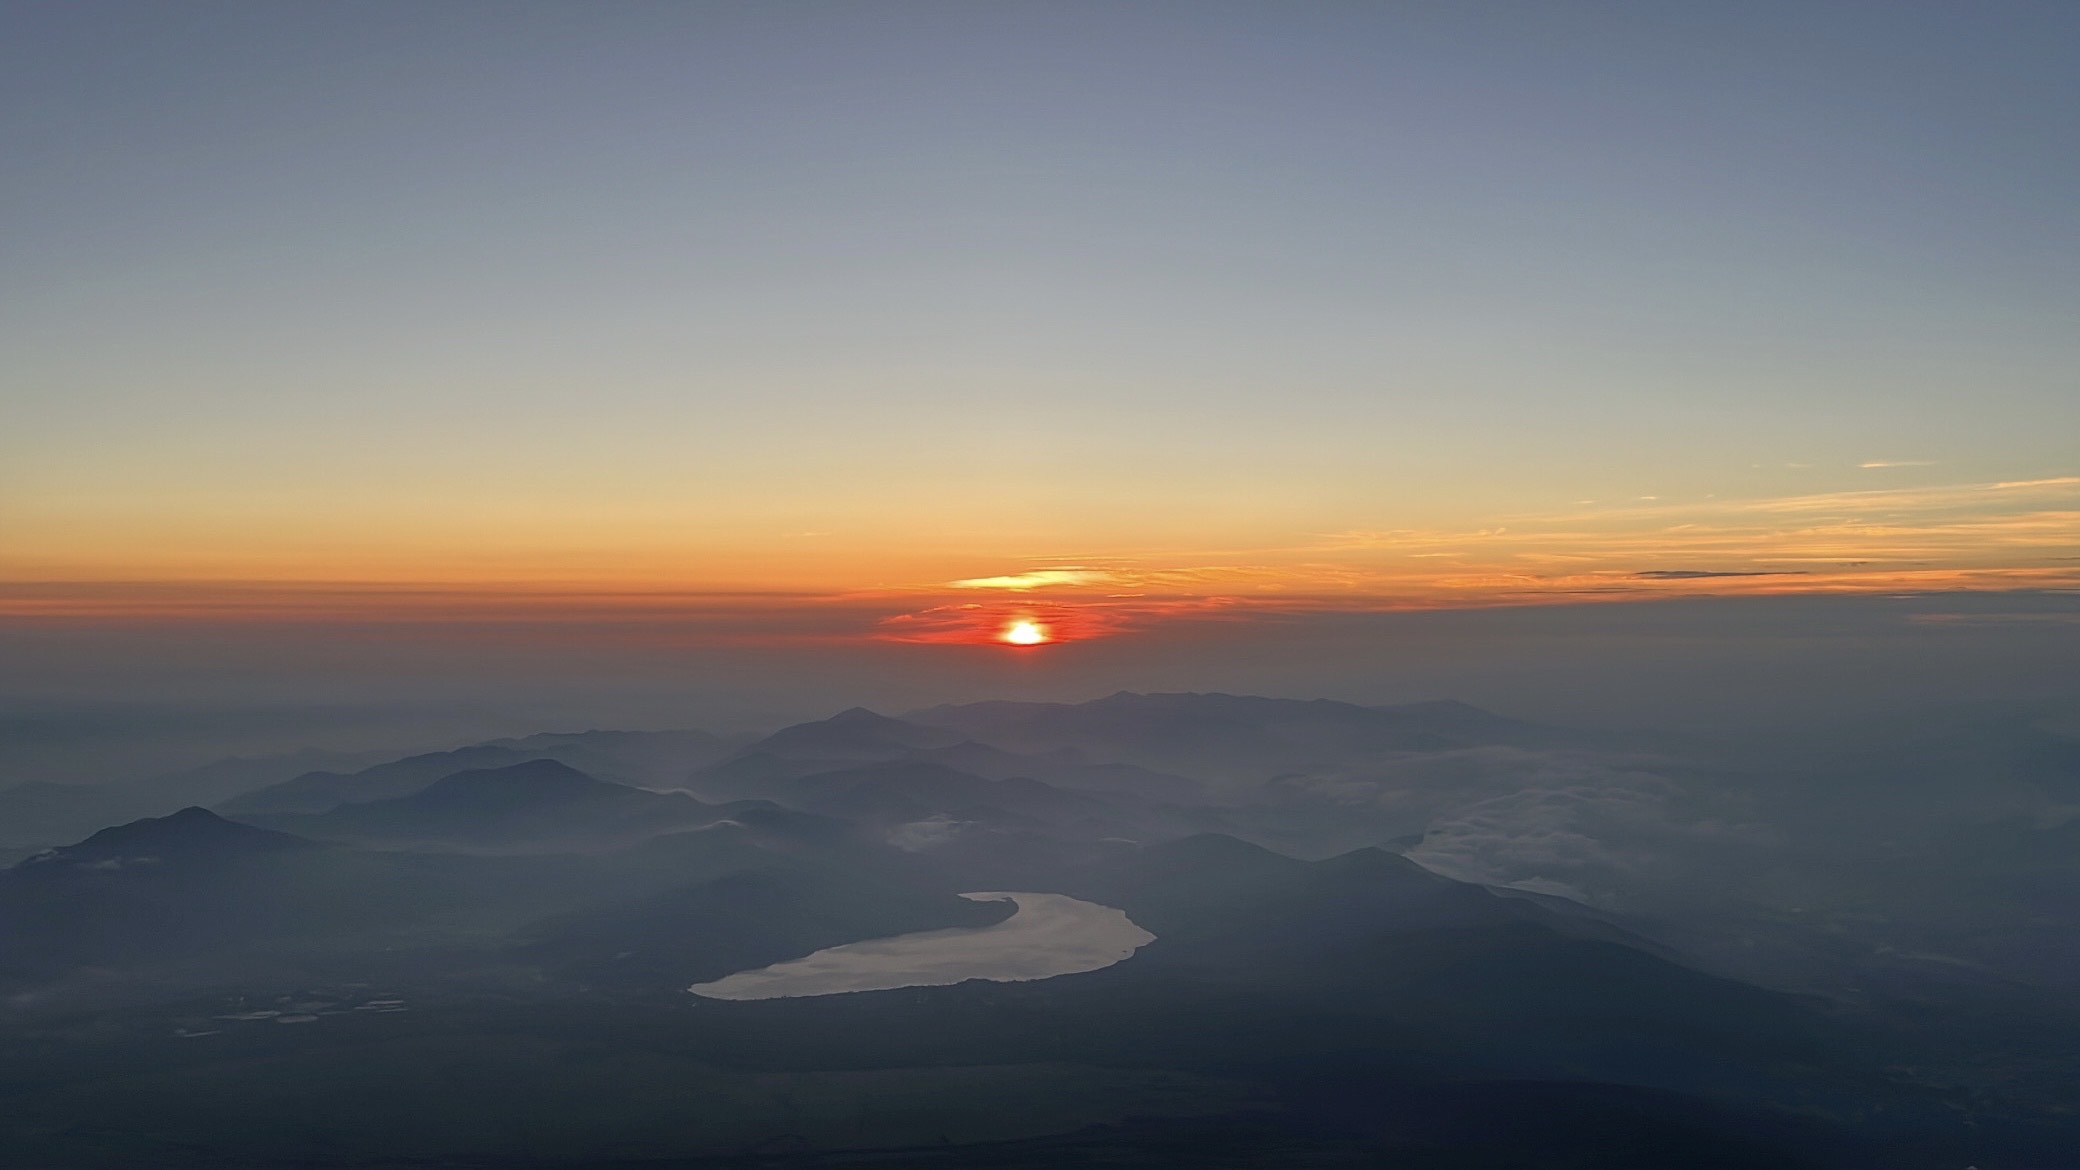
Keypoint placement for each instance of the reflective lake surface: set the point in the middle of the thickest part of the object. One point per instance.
(1049, 935)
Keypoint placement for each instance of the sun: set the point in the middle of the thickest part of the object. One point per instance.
(1026, 632)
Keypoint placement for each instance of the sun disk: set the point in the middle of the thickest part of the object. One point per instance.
(1026, 632)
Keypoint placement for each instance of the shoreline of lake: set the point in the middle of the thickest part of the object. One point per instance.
(1048, 936)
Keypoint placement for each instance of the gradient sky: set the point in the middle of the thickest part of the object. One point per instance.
(1197, 309)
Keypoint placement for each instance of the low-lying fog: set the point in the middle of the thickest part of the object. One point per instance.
(1049, 935)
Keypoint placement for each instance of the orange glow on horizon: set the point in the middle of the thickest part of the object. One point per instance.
(621, 564)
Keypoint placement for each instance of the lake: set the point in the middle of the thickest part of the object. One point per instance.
(1049, 935)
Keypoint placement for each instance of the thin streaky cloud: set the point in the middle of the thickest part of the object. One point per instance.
(1037, 579)
(1706, 574)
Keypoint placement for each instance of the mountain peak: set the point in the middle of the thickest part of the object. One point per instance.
(530, 781)
(1372, 861)
(853, 732)
(856, 716)
(1218, 851)
(192, 832)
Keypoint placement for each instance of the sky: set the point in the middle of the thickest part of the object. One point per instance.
(715, 326)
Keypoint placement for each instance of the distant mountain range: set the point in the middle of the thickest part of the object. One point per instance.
(625, 757)
(492, 944)
(1232, 739)
(538, 803)
(42, 813)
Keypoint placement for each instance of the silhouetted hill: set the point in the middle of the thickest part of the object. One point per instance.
(852, 734)
(1228, 737)
(860, 737)
(152, 888)
(537, 803)
(195, 897)
(632, 758)
(43, 813)
(756, 915)
(886, 794)
(885, 789)
(650, 759)
(1065, 769)
(316, 792)
(1215, 889)
(190, 835)
(482, 792)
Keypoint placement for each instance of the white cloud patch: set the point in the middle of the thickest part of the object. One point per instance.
(1603, 837)
(1597, 827)
(918, 836)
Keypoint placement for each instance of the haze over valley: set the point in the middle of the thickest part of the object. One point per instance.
(1245, 920)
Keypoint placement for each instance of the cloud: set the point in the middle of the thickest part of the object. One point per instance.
(918, 836)
(1702, 574)
(1994, 619)
(1038, 579)
(1987, 535)
(1873, 464)
(1602, 833)
(1617, 829)
(1404, 538)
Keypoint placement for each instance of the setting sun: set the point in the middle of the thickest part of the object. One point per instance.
(1026, 632)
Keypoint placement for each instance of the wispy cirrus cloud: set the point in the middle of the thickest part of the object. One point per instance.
(1125, 579)
(1980, 497)
(2015, 523)
(1033, 579)
(1708, 574)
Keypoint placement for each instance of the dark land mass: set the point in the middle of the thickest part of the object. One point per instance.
(487, 968)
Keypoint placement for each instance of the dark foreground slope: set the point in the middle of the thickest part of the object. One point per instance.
(1349, 1012)
(487, 968)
